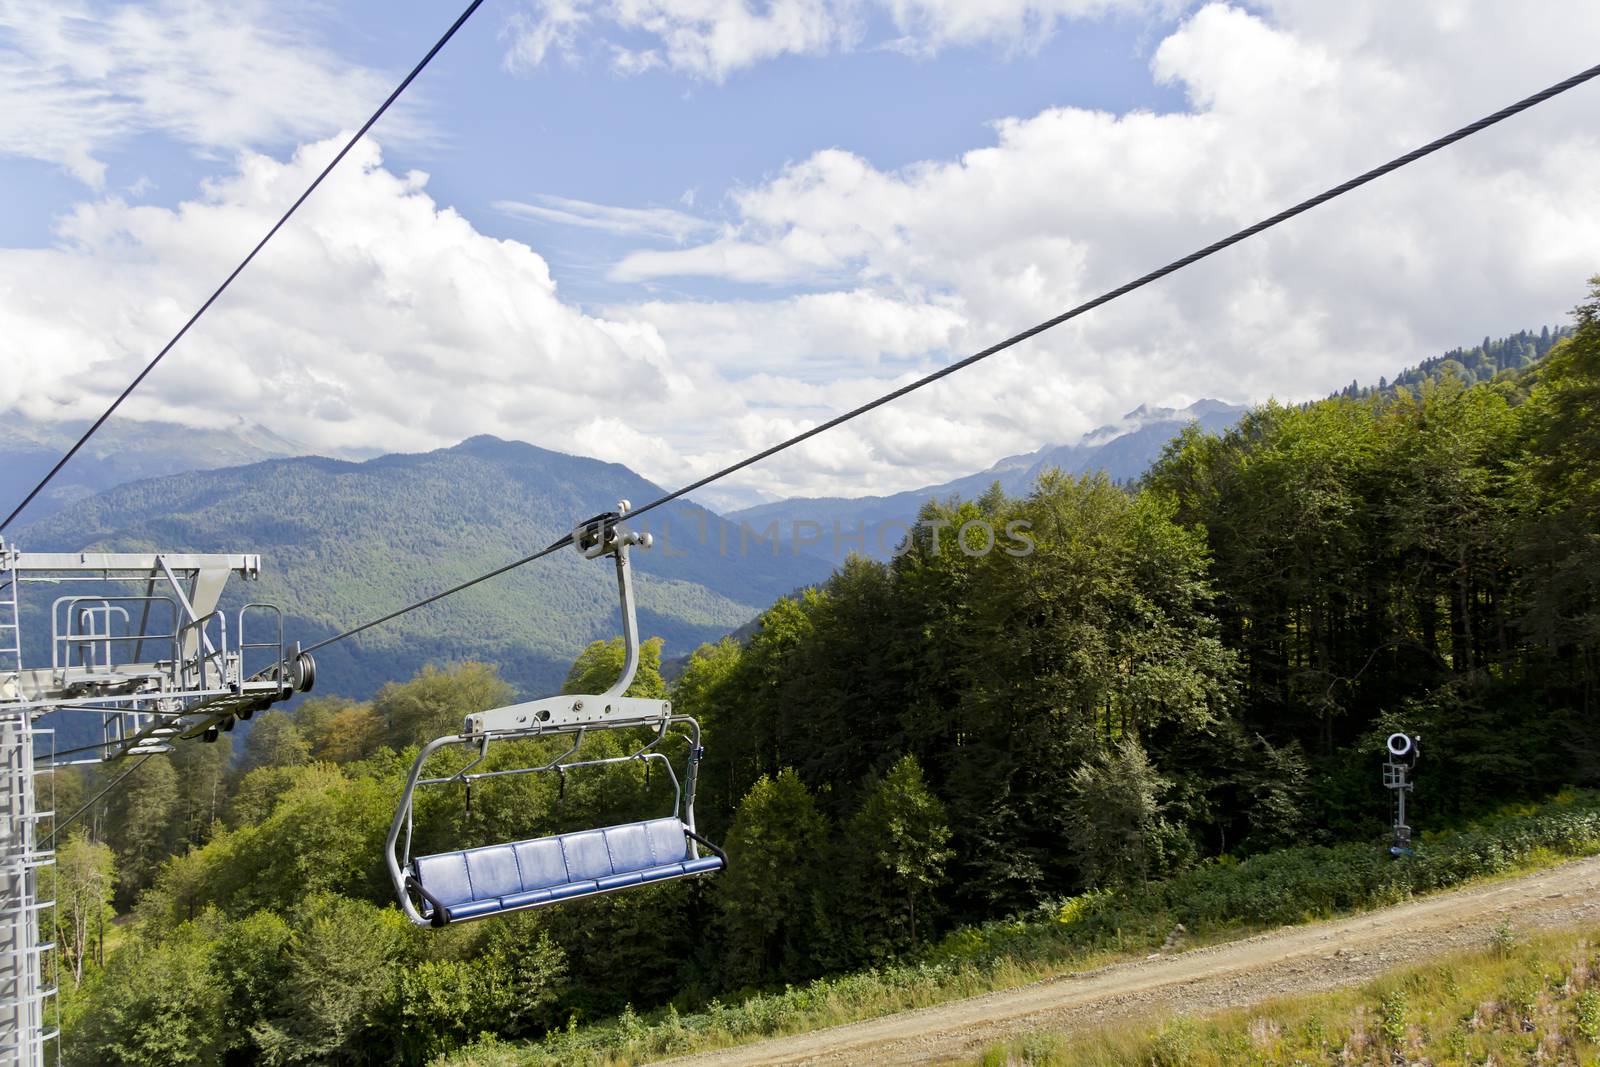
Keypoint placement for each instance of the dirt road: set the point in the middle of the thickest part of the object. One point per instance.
(1290, 960)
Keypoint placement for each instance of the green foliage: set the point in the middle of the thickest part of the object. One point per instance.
(257, 793)
(202, 772)
(157, 1004)
(1114, 813)
(770, 892)
(81, 882)
(696, 690)
(253, 964)
(435, 702)
(599, 666)
(275, 741)
(1504, 938)
(340, 995)
(339, 730)
(1293, 885)
(1587, 1010)
(1416, 560)
(898, 846)
(145, 826)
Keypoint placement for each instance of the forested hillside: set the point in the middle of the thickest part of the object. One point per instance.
(342, 543)
(1480, 363)
(1178, 679)
(122, 451)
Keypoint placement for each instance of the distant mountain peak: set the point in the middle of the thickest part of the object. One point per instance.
(1145, 413)
(1209, 406)
(1151, 415)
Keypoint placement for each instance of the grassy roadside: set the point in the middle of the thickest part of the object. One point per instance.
(1217, 901)
(1536, 1001)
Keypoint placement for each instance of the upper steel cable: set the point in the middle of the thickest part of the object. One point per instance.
(362, 132)
(1105, 298)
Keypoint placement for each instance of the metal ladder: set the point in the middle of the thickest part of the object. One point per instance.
(10, 615)
(27, 991)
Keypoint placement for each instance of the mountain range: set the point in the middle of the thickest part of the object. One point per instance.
(1123, 450)
(121, 451)
(344, 542)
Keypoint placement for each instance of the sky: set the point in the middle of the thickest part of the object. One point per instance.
(668, 233)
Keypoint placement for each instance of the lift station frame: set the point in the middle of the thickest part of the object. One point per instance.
(137, 640)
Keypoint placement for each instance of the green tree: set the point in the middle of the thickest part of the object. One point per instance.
(1114, 814)
(600, 665)
(1560, 581)
(202, 771)
(355, 733)
(435, 702)
(338, 1003)
(85, 877)
(840, 705)
(900, 838)
(257, 793)
(708, 690)
(274, 741)
(339, 730)
(252, 962)
(701, 688)
(507, 987)
(769, 894)
(156, 1004)
(145, 824)
(1101, 631)
(749, 717)
(322, 836)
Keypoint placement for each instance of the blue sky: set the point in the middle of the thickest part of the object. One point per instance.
(574, 128)
(667, 232)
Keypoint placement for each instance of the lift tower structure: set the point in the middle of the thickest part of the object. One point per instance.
(138, 645)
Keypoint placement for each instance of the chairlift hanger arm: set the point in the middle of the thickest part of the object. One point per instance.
(602, 535)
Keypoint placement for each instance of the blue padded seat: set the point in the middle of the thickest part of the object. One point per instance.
(526, 874)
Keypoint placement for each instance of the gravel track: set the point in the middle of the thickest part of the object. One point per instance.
(1295, 959)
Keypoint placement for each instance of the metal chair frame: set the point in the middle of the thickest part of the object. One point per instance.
(568, 714)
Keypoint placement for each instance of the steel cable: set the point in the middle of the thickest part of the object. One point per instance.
(1105, 298)
(362, 132)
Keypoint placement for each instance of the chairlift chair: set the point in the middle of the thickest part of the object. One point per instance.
(475, 883)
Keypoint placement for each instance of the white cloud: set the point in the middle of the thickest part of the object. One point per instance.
(544, 27)
(712, 39)
(379, 319)
(1493, 235)
(626, 221)
(78, 78)
(815, 337)
(932, 25)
